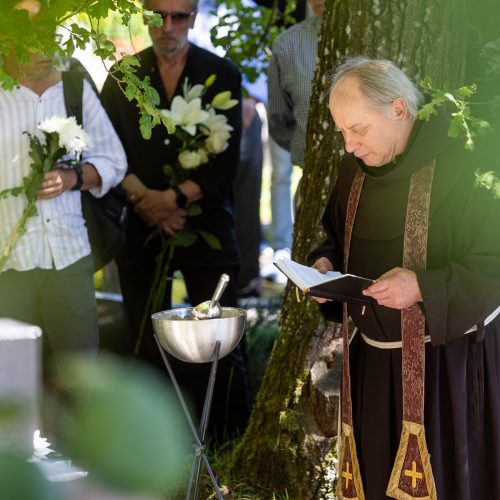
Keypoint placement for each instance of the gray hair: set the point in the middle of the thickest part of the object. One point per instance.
(381, 82)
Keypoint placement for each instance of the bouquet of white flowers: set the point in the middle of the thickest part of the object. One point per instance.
(203, 134)
(61, 137)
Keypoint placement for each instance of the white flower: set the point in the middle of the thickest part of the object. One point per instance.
(217, 142)
(72, 137)
(190, 159)
(194, 92)
(218, 131)
(40, 445)
(203, 155)
(186, 114)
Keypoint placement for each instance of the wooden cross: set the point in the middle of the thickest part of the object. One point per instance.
(347, 476)
(413, 474)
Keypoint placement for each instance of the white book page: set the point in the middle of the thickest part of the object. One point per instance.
(303, 276)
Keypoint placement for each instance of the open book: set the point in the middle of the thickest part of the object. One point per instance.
(331, 285)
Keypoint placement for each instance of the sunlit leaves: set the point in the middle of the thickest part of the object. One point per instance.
(246, 33)
(461, 119)
(488, 180)
(21, 36)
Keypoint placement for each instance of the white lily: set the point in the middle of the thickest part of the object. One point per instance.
(218, 131)
(72, 137)
(215, 123)
(186, 114)
(194, 92)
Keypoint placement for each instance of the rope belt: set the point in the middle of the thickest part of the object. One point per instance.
(398, 344)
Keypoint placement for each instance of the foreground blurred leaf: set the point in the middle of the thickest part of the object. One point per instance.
(124, 426)
(21, 480)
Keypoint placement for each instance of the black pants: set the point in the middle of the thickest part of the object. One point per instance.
(230, 408)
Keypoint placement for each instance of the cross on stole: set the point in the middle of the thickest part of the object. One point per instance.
(413, 474)
(347, 476)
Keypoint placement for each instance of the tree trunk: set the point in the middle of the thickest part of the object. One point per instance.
(289, 444)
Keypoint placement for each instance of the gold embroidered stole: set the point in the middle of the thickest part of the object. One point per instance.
(411, 476)
(349, 485)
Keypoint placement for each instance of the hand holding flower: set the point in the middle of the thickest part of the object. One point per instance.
(155, 205)
(56, 182)
(174, 222)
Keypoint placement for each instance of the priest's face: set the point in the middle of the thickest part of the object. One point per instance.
(178, 17)
(375, 135)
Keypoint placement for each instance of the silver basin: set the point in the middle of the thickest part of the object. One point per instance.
(194, 340)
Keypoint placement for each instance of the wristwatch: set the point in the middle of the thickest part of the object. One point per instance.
(79, 177)
(180, 198)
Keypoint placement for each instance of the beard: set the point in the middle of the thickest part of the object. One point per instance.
(170, 45)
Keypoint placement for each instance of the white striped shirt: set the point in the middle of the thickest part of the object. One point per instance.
(57, 236)
(291, 72)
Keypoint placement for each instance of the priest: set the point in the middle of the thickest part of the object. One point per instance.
(421, 372)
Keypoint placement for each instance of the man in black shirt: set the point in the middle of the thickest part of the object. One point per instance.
(168, 63)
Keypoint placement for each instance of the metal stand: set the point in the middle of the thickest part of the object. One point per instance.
(199, 446)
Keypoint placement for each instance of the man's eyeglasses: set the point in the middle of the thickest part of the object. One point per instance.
(176, 17)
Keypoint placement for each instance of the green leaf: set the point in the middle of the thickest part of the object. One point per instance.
(168, 123)
(123, 425)
(194, 209)
(20, 479)
(153, 20)
(455, 126)
(211, 239)
(130, 61)
(426, 111)
(185, 237)
(145, 125)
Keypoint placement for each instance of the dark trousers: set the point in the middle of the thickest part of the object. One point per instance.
(230, 408)
(62, 303)
(247, 188)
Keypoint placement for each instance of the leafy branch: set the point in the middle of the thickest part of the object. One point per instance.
(80, 22)
(247, 33)
(462, 120)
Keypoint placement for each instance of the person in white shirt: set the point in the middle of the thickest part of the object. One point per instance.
(47, 279)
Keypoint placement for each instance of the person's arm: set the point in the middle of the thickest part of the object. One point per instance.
(63, 179)
(155, 205)
(463, 293)
(328, 256)
(280, 106)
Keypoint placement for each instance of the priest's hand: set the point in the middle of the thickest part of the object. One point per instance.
(154, 205)
(175, 221)
(323, 265)
(397, 288)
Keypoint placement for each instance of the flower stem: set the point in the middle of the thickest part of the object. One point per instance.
(18, 230)
(158, 287)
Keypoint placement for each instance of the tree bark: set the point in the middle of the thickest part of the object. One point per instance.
(289, 444)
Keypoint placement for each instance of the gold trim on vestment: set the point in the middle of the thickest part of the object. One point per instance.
(349, 484)
(399, 476)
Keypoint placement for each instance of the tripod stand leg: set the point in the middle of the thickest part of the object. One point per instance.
(206, 412)
(200, 447)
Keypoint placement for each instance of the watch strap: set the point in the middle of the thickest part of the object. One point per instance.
(180, 198)
(78, 169)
